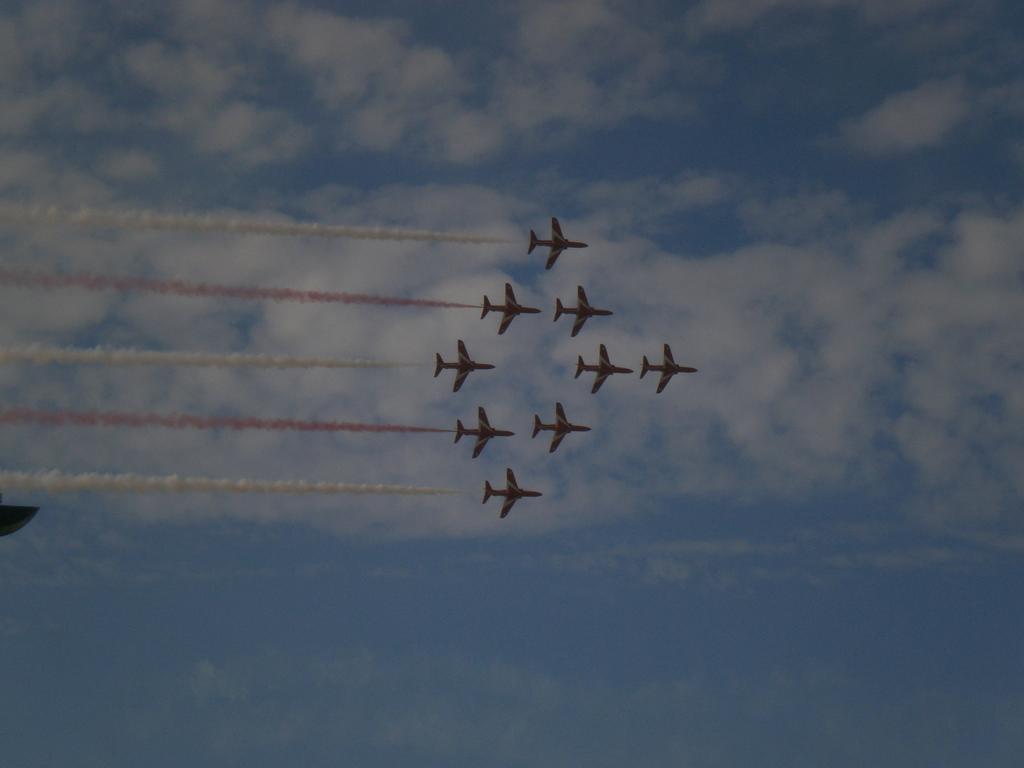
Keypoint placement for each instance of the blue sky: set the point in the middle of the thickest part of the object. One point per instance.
(809, 553)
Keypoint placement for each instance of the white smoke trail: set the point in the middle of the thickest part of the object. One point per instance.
(148, 220)
(42, 355)
(54, 481)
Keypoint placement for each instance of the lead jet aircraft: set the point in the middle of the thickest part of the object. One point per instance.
(463, 365)
(603, 368)
(13, 518)
(510, 309)
(582, 310)
(556, 244)
(668, 368)
(561, 427)
(484, 431)
(512, 492)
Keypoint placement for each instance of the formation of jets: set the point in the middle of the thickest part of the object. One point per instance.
(603, 368)
(13, 518)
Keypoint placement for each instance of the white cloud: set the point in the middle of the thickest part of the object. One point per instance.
(646, 204)
(26, 175)
(174, 73)
(199, 98)
(128, 165)
(570, 66)
(730, 15)
(384, 88)
(209, 683)
(924, 116)
(214, 73)
(797, 217)
(579, 63)
(10, 53)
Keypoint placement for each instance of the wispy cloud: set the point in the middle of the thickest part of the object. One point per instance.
(709, 16)
(924, 116)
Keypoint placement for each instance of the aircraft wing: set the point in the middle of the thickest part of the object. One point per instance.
(560, 415)
(507, 506)
(581, 296)
(556, 440)
(506, 321)
(510, 479)
(481, 441)
(598, 381)
(603, 355)
(668, 356)
(666, 377)
(460, 377)
(556, 229)
(463, 354)
(510, 297)
(578, 324)
(481, 417)
(556, 251)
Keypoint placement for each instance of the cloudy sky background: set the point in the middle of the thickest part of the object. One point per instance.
(808, 553)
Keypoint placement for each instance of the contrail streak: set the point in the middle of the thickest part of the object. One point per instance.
(185, 421)
(26, 278)
(149, 220)
(40, 355)
(52, 481)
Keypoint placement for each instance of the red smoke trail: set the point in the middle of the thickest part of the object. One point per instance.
(184, 421)
(32, 279)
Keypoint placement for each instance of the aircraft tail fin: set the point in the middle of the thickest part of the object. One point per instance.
(536, 425)
(486, 308)
(559, 309)
(437, 367)
(488, 491)
(579, 366)
(533, 241)
(645, 367)
(460, 430)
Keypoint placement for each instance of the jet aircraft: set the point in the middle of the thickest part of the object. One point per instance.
(582, 310)
(603, 368)
(509, 309)
(484, 431)
(14, 518)
(556, 244)
(561, 427)
(464, 365)
(668, 368)
(512, 492)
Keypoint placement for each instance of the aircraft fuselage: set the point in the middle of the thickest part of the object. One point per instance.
(584, 311)
(606, 370)
(486, 432)
(463, 367)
